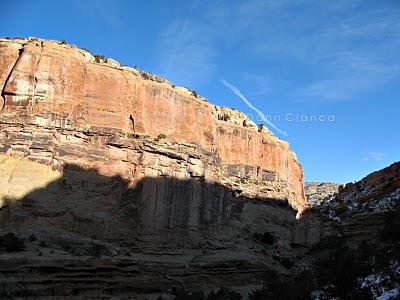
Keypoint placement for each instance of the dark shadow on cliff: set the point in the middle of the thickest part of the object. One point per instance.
(158, 212)
(101, 236)
(84, 214)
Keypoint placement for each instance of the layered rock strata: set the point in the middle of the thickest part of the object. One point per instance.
(357, 212)
(58, 100)
(119, 182)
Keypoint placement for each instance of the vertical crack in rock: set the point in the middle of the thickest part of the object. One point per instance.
(34, 72)
(3, 92)
(131, 101)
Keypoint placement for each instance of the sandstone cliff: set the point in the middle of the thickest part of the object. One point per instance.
(147, 182)
(117, 183)
(62, 105)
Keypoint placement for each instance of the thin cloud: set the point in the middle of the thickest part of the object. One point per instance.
(351, 73)
(178, 41)
(353, 53)
(106, 11)
(375, 156)
(188, 53)
(238, 93)
(259, 82)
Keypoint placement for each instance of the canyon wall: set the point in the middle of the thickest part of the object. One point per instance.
(117, 182)
(363, 211)
(62, 105)
(148, 184)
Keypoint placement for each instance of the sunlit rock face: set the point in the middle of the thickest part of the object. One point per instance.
(15, 182)
(59, 101)
(99, 159)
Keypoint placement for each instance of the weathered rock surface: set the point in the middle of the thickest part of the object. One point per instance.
(355, 233)
(357, 212)
(117, 183)
(370, 207)
(61, 95)
(379, 191)
(318, 192)
(118, 168)
(372, 188)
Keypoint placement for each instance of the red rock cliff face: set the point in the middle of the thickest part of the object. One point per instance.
(60, 88)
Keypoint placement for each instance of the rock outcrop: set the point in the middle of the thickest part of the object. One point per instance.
(357, 212)
(380, 189)
(377, 192)
(119, 168)
(62, 105)
(355, 233)
(369, 208)
(319, 192)
(115, 182)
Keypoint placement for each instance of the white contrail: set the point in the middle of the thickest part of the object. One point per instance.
(180, 37)
(238, 93)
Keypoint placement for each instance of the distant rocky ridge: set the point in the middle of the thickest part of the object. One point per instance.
(378, 191)
(319, 192)
(352, 233)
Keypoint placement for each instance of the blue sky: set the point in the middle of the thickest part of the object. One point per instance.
(306, 58)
